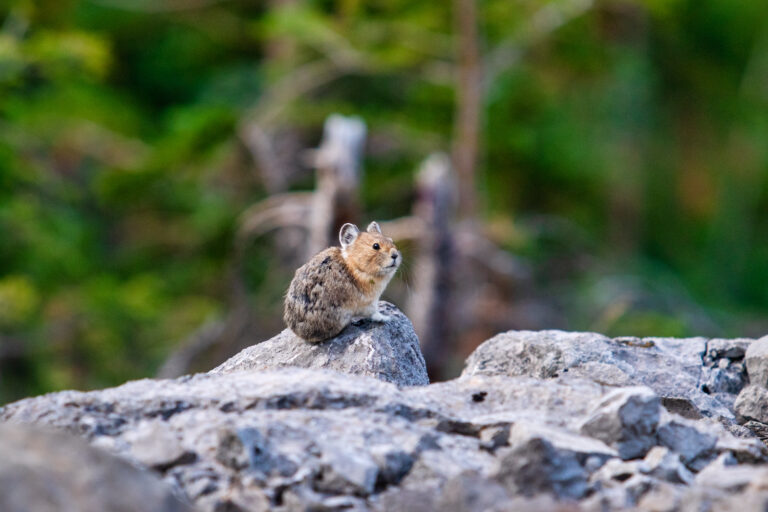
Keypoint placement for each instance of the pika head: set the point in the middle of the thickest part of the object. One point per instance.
(370, 252)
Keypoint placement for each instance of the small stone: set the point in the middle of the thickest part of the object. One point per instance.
(155, 445)
(618, 470)
(663, 497)
(662, 463)
(494, 437)
(393, 464)
(346, 472)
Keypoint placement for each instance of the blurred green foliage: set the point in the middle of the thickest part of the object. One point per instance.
(625, 154)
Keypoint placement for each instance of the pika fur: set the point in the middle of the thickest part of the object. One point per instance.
(339, 285)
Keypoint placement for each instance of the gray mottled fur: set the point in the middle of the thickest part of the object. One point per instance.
(318, 302)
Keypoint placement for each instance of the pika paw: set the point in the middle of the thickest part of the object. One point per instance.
(341, 284)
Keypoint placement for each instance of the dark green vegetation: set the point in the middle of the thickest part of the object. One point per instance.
(623, 154)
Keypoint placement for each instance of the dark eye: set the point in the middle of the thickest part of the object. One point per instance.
(376, 247)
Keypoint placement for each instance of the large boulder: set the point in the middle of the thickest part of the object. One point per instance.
(674, 368)
(388, 351)
(44, 471)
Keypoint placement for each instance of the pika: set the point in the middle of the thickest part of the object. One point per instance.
(339, 285)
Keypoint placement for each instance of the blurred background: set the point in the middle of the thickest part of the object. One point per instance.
(165, 165)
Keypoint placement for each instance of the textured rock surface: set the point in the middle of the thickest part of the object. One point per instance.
(626, 419)
(45, 471)
(752, 404)
(757, 362)
(388, 351)
(674, 368)
(515, 432)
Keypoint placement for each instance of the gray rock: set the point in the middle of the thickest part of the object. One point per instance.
(486, 401)
(663, 497)
(701, 499)
(724, 486)
(752, 404)
(684, 438)
(620, 494)
(723, 373)
(345, 472)
(465, 493)
(618, 470)
(45, 471)
(671, 367)
(537, 421)
(388, 351)
(536, 467)
(661, 463)
(155, 446)
(626, 419)
(756, 359)
(544, 460)
(469, 493)
(732, 349)
(744, 450)
(269, 437)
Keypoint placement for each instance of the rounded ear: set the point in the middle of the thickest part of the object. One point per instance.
(373, 227)
(348, 234)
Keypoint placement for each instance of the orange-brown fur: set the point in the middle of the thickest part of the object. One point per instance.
(340, 284)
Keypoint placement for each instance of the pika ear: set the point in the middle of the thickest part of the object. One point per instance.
(348, 234)
(373, 227)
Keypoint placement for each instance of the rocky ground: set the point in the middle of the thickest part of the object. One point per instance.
(545, 420)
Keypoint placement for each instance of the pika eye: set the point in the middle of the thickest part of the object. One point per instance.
(376, 247)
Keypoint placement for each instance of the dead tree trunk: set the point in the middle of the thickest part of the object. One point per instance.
(429, 304)
(469, 88)
(337, 161)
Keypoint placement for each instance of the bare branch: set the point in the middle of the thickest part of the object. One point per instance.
(486, 254)
(260, 144)
(181, 359)
(469, 92)
(278, 211)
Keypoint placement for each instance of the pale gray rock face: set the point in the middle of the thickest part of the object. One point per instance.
(757, 362)
(752, 404)
(515, 432)
(388, 351)
(45, 471)
(671, 367)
